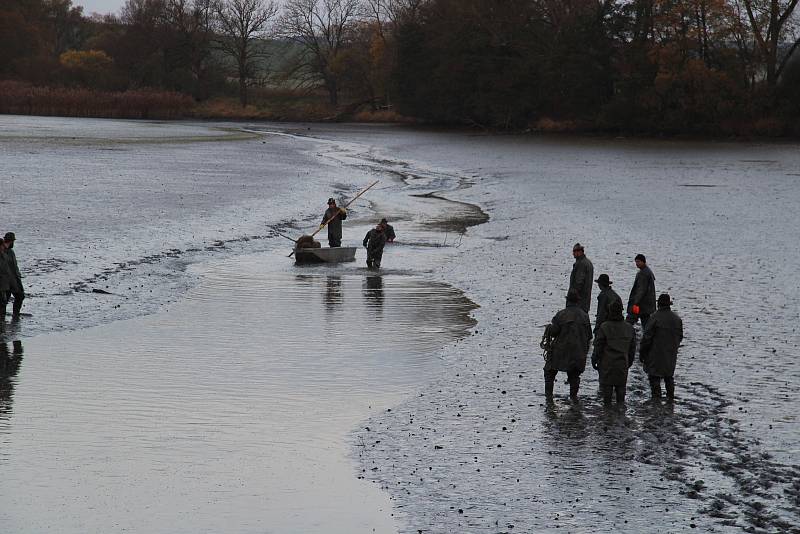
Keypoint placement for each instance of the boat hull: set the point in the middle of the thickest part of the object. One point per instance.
(324, 255)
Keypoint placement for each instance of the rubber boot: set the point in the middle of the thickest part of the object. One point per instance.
(574, 384)
(655, 387)
(620, 391)
(548, 390)
(669, 385)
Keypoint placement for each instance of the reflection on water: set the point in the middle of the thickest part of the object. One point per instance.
(9, 367)
(231, 410)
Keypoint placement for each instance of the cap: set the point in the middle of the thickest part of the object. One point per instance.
(577, 246)
(9, 236)
(384, 221)
(664, 300)
(603, 280)
(331, 200)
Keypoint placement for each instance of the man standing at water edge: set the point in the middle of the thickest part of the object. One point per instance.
(604, 300)
(581, 278)
(642, 301)
(5, 280)
(16, 277)
(333, 217)
(658, 350)
(375, 240)
(614, 350)
(572, 332)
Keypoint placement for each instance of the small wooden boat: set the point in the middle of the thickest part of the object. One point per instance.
(324, 255)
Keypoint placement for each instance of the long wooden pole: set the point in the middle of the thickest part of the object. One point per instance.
(345, 207)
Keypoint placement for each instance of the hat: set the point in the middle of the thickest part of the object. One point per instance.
(664, 300)
(603, 280)
(577, 246)
(640, 257)
(331, 200)
(9, 236)
(384, 221)
(573, 296)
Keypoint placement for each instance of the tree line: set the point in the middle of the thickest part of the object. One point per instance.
(705, 66)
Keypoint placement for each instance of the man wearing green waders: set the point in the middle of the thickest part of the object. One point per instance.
(333, 217)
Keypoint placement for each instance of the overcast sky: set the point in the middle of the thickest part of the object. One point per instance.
(99, 6)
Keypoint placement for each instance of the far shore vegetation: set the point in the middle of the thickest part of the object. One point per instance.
(648, 67)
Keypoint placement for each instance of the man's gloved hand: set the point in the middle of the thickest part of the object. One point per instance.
(321, 226)
(343, 210)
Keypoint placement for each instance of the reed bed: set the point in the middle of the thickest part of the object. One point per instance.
(23, 99)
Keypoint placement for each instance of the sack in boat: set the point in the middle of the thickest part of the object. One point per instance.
(306, 241)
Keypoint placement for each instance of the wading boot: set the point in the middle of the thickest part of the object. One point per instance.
(548, 390)
(574, 384)
(669, 385)
(655, 387)
(620, 391)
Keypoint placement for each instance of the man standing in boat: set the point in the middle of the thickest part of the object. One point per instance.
(333, 217)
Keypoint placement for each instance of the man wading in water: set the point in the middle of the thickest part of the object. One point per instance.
(333, 217)
(581, 277)
(572, 332)
(375, 240)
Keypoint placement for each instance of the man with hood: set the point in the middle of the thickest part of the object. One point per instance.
(333, 217)
(375, 240)
(614, 351)
(642, 301)
(572, 332)
(581, 277)
(15, 280)
(658, 350)
(604, 300)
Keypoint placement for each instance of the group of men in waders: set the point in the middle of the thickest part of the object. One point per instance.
(567, 338)
(10, 278)
(374, 241)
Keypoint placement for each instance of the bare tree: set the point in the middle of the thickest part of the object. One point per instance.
(322, 29)
(240, 23)
(772, 23)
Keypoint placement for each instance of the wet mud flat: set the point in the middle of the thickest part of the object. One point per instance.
(228, 411)
(478, 450)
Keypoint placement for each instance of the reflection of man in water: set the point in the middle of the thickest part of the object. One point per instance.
(333, 292)
(9, 367)
(375, 240)
(333, 217)
(374, 291)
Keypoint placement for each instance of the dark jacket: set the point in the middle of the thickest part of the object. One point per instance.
(374, 241)
(13, 269)
(643, 292)
(5, 271)
(335, 226)
(581, 280)
(572, 332)
(659, 347)
(604, 300)
(614, 350)
(390, 235)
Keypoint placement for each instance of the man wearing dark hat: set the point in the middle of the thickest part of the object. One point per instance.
(333, 217)
(614, 351)
(572, 332)
(581, 277)
(388, 229)
(15, 278)
(604, 300)
(642, 301)
(658, 350)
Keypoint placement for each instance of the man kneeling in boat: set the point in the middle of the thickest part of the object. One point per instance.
(375, 240)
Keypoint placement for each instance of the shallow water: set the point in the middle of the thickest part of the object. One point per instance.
(474, 448)
(227, 412)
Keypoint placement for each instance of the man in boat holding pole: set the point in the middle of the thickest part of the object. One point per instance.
(333, 218)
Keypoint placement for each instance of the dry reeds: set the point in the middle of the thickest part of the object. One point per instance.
(23, 99)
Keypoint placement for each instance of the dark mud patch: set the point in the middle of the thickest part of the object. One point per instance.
(698, 185)
(457, 217)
